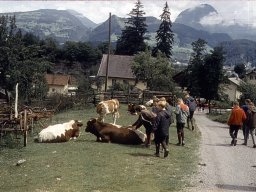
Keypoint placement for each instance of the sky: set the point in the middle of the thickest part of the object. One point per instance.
(229, 11)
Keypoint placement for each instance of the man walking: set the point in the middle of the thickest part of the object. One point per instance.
(235, 121)
(191, 103)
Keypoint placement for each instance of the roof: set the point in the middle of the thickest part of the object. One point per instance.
(57, 79)
(236, 80)
(119, 66)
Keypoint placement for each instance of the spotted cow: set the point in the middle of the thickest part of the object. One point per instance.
(60, 132)
(108, 107)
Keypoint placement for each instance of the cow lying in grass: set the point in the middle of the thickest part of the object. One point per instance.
(133, 108)
(107, 107)
(60, 132)
(106, 132)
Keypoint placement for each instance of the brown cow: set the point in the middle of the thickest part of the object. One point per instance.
(107, 107)
(106, 132)
(133, 108)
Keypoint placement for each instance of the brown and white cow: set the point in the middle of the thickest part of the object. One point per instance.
(108, 107)
(133, 108)
(60, 132)
(106, 132)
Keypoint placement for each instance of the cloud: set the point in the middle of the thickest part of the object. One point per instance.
(98, 11)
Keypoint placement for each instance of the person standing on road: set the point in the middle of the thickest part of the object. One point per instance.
(250, 122)
(235, 121)
(191, 103)
(245, 107)
(182, 112)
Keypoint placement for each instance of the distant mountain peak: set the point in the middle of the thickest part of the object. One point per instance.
(195, 15)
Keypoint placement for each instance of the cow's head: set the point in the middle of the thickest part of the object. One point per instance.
(90, 127)
(131, 109)
(76, 128)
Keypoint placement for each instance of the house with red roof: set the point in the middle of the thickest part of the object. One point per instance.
(60, 84)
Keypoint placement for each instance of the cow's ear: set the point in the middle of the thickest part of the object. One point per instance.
(93, 120)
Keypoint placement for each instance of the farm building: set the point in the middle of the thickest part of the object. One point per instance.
(119, 71)
(231, 89)
(251, 77)
(61, 84)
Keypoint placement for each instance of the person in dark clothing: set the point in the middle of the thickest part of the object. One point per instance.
(245, 107)
(146, 118)
(191, 103)
(250, 123)
(161, 129)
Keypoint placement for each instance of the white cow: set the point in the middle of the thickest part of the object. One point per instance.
(60, 132)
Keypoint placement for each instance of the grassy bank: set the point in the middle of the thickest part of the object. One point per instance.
(86, 165)
(222, 118)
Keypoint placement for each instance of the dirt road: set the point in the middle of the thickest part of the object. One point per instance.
(223, 167)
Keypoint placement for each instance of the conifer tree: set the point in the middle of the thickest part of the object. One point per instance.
(133, 36)
(165, 34)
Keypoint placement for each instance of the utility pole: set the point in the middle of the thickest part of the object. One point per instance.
(109, 47)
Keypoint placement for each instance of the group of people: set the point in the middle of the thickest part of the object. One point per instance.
(242, 117)
(159, 119)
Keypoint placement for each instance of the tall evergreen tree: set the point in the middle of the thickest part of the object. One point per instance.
(133, 36)
(212, 74)
(195, 66)
(165, 34)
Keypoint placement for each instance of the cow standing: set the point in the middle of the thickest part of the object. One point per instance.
(107, 107)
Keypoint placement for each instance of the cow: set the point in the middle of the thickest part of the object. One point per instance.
(60, 132)
(110, 133)
(106, 107)
(132, 108)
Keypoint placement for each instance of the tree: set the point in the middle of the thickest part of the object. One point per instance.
(248, 92)
(156, 72)
(165, 34)
(212, 74)
(195, 66)
(240, 70)
(132, 37)
(20, 63)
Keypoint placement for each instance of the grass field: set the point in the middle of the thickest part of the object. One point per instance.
(86, 165)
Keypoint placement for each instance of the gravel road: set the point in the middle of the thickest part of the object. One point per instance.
(223, 167)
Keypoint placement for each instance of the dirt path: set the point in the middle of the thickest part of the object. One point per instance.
(223, 167)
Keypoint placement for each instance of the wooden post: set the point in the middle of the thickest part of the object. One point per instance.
(109, 47)
(25, 128)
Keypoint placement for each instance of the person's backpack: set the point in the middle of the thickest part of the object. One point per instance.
(192, 105)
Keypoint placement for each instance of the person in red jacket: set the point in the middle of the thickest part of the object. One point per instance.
(235, 121)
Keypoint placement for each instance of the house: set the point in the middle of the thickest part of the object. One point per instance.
(250, 77)
(119, 71)
(231, 88)
(59, 83)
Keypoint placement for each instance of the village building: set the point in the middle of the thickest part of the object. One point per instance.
(60, 84)
(232, 88)
(119, 71)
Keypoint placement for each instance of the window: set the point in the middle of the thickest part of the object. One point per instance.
(113, 82)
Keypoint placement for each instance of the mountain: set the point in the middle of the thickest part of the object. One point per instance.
(206, 18)
(59, 24)
(185, 35)
(85, 21)
(239, 52)
(192, 16)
